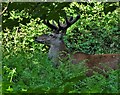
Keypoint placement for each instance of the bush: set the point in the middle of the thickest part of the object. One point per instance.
(33, 73)
(95, 32)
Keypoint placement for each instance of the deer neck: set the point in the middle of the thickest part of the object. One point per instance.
(55, 50)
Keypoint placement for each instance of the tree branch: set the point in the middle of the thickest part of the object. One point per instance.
(5, 9)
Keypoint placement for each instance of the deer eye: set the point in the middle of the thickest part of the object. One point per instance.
(51, 35)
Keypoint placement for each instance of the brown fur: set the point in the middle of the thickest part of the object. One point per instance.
(97, 62)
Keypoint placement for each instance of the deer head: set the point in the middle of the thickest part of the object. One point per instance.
(50, 39)
(56, 36)
(55, 39)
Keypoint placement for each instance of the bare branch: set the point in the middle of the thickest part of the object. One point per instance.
(5, 9)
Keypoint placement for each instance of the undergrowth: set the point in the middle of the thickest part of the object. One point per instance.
(33, 73)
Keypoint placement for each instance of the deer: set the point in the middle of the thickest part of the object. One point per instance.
(58, 49)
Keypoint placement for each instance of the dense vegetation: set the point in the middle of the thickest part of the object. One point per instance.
(26, 68)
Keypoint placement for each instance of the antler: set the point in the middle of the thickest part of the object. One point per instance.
(63, 27)
(52, 26)
(70, 21)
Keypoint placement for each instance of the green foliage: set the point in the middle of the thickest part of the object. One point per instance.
(26, 67)
(33, 9)
(33, 73)
(95, 32)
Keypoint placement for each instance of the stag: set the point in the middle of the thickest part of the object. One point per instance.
(58, 49)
